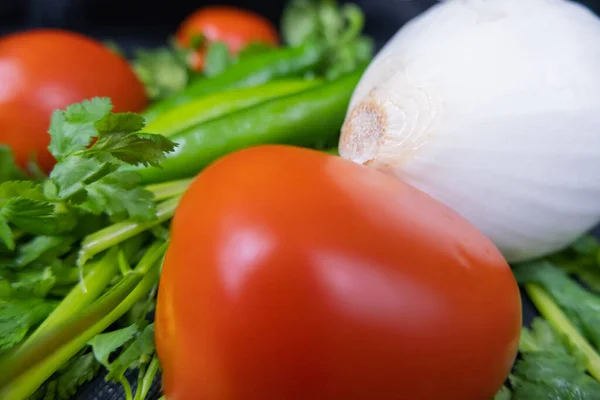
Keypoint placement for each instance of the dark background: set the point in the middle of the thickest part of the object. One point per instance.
(146, 23)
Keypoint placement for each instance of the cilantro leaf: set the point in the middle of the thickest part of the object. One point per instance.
(139, 351)
(118, 142)
(300, 22)
(120, 122)
(27, 189)
(6, 234)
(119, 196)
(503, 394)
(43, 247)
(218, 58)
(71, 175)
(550, 375)
(8, 169)
(582, 306)
(72, 130)
(104, 344)
(163, 71)
(540, 337)
(33, 282)
(35, 216)
(80, 369)
(17, 316)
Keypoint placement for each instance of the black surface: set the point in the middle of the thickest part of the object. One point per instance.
(134, 23)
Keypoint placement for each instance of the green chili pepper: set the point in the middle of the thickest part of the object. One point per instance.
(221, 103)
(253, 71)
(311, 118)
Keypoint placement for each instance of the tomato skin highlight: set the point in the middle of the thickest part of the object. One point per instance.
(294, 274)
(234, 26)
(45, 69)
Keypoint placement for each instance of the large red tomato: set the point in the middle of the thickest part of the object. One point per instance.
(44, 70)
(295, 275)
(234, 26)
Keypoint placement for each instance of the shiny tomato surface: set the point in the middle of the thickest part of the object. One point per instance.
(44, 70)
(296, 275)
(234, 26)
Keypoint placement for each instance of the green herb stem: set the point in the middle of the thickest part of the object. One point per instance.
(555, 316)
(119, 232)
(32, 351)
(28, 382)
(126, 388)
(167, 190)
(95, 281)
(146, 383)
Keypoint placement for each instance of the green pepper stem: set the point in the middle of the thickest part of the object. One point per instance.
(559, 321)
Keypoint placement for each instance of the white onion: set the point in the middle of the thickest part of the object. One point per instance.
(492, 107)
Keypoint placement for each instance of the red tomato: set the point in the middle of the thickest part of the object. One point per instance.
(295, 275)
(234, 26)
(44, 70)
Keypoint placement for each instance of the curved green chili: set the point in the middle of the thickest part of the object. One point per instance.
(221, 103)
(310, 118)
(253, 71)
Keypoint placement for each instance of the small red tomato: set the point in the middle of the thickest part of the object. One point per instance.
(44, 70)
(234, 26)
(296, 275)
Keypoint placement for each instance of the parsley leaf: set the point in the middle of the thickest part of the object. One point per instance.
(72, 130)
(8, 169)
(17, 316)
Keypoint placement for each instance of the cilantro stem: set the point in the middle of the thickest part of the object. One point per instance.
(29, 381)
(126, 388)
(113, 235)
(555, 317)
(167, 190)
(94, 283)
(146, 383)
